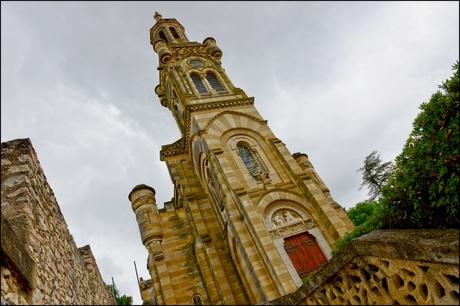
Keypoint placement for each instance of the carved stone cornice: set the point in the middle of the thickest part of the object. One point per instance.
(220, 104)
(174, 148)
(182, 51)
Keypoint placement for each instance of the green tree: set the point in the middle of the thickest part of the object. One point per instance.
(423, 192)
(125, 300)
(375, 174)
(121, 300)
(367, 216)
(361, 212)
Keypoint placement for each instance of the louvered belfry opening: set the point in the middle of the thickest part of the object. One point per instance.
(173, 32)
(214, 82)
(198, 83)
(163, 36)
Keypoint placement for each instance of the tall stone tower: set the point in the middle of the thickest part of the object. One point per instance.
(248, 219)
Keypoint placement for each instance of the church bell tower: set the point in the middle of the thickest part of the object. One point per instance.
(248, 219)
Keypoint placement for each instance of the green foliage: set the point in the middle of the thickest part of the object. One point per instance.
(361, 212)
(121, 300)
(373, 221)
(125, 300)
(423, 192)
(375, 174)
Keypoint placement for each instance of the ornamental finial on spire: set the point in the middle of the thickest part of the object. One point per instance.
(157, 16)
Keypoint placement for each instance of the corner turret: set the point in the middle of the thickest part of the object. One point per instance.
(143, 202)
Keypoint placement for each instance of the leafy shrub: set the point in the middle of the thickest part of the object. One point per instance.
(361, 212)
(423, 192)
(372, 222)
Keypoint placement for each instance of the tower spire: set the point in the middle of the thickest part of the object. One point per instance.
(157, 16)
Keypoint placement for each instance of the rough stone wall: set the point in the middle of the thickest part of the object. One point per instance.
(417, 267)
(40, 262)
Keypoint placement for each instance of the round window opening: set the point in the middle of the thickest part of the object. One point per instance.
(196, 63)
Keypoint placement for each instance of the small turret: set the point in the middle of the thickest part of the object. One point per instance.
(306, 165)
(212, 48)
(143, 202)
(302, 160)
(161, 48)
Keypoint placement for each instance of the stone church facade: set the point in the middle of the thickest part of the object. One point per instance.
(248, 219)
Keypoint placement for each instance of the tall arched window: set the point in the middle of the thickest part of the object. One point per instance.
(196, 299)
(214, 82)
(249, 160)
(173, 32)
(198, 83)
(163, 36)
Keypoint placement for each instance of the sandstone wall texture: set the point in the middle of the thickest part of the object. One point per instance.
(40, 263)
(387, 267)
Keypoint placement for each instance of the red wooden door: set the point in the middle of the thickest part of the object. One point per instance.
(304, 252)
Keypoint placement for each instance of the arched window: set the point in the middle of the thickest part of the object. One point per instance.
(163, 36)
(249, 160)
(197, 299)
(173, 32)
(214, 82)
(198, 83)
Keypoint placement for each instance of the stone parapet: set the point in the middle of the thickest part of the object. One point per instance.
(387, 267)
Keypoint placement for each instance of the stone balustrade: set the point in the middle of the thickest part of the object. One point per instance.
(418, 267)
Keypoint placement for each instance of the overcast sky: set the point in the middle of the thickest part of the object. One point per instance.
(335, 80)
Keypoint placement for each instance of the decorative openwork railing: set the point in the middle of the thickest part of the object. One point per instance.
(388, 267)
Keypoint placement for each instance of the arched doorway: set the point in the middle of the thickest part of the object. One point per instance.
(304, 252)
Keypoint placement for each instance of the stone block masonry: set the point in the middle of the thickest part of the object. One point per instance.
(40, 263)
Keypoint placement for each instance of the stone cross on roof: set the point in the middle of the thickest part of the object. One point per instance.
(157, 16)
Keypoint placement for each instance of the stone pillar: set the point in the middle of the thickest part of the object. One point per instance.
(212, 47)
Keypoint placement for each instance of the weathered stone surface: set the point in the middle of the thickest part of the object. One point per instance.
(40, 261)
(387, 267)
(217, 241)
(15, 249)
